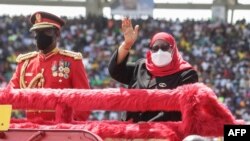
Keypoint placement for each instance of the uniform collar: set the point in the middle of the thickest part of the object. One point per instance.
(48, 55)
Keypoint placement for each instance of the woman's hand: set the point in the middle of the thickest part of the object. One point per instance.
(130, 34)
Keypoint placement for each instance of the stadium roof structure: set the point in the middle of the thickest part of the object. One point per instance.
(220, 10)
(167, 4)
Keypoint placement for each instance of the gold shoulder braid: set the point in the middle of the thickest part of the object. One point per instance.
(22, 57)
(75, 55)
(22, 74)
(37, 80)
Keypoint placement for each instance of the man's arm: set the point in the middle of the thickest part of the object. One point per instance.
(79, 76)
(80, 81)
(14, 81)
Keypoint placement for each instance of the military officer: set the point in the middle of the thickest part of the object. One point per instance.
(50, 66)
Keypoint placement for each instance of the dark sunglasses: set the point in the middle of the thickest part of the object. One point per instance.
(162, 47)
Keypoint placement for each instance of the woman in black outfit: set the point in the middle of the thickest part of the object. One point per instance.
(163, 68)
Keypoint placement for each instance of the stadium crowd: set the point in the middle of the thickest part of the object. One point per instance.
(219, 51)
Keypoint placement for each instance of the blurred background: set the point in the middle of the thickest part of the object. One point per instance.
(213, 35)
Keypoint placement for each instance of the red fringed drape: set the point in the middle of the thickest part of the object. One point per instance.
(201, 111)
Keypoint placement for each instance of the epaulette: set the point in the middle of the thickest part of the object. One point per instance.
(75, 55)
(26, 56)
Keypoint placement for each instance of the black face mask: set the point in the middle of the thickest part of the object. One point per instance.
(43, 41)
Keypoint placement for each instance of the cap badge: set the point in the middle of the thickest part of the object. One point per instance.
(38, 18)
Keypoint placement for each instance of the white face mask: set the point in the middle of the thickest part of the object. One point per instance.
(161, 58)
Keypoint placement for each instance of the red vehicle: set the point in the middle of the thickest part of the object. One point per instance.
(202, 114)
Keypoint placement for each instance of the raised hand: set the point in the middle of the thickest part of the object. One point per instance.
(130, 34)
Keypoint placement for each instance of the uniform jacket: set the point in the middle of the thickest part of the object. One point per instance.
(58, 69)
(137, 76)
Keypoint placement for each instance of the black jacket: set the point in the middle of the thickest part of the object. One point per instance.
(137, 76)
